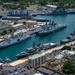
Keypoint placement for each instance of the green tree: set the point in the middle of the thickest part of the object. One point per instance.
(61, 3)
(23, 3)
(66, 48)
(42, 2)
(48, 63)
(4, 32)
(69, 67)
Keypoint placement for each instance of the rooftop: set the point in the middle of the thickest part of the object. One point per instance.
(38, 74)
(8, 3)
(36, 56)
(52, 6)
(17, 25)
(44, 70)
(48, 71)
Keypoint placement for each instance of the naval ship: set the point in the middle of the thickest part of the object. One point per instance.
(57, 11)
(70, 38)
(50, 28)
(36, 48)
(17, 14)
(13, 39)
(62, 11)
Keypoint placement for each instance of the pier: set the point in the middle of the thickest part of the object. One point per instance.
(21, 61)
(18, 62)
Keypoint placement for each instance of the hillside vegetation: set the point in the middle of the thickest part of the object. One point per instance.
(26, 3)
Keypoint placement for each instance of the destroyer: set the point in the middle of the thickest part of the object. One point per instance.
(50, 28)
(36, 48)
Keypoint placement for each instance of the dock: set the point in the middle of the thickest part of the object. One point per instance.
(21, 61)
(59, 47)
(18, 62)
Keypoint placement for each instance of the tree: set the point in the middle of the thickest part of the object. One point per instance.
(42, 2)
(61, 3)
(4, 32)
(66, 48)
(69, 67)
(48, 63)
(23, 3)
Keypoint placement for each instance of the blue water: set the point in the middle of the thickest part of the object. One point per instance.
(69, 20)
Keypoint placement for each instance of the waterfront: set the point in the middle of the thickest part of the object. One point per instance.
(10, 52)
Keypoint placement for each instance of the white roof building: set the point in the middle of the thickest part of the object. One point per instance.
(1, 64)
(64, 52)
(37, 59)
(36, 56)
(18, 25)
(38, 74)
(51, 6)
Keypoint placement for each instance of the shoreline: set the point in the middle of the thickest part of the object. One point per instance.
(23, 60)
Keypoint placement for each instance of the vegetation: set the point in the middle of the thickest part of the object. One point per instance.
(66, 48)
(42, 2)
(4, 32)
(69, 67)
(26, 3)
(48, 63)
(73, 48)
(23, 3)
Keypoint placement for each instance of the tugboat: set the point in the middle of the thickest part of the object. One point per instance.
(50, 28)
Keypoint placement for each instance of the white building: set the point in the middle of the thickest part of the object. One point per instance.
(38, 74)
(37, 59)
(18, 26)
(51, 6)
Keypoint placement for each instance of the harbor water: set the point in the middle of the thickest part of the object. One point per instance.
(69, 20)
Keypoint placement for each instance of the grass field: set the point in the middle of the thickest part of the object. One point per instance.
(32, 7)
(3, 11)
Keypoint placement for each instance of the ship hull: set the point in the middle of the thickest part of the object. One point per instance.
(21, 56)
(15, 43)
(32, 50)
(49, 32)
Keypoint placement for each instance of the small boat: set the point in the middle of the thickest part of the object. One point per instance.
(22, 55)
(64, 41)
(7, 60)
